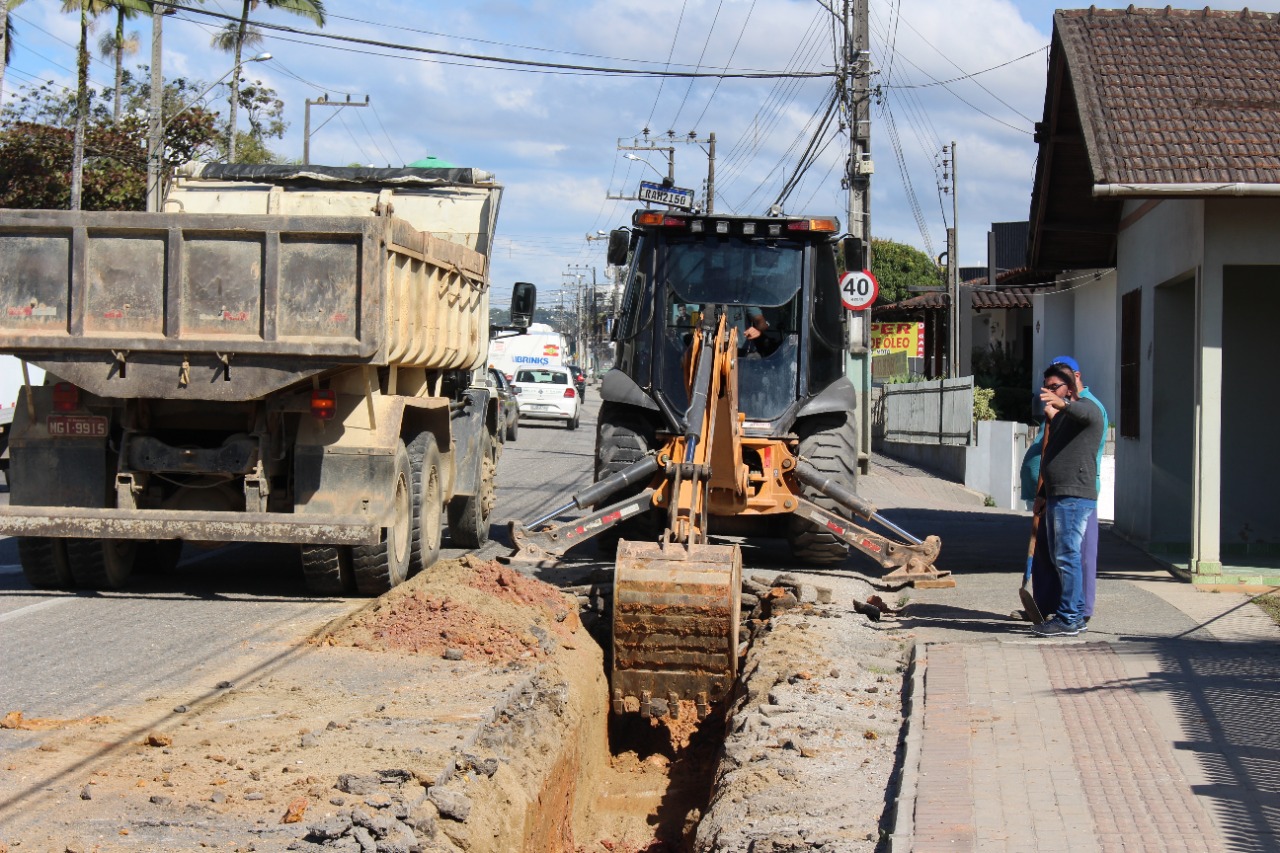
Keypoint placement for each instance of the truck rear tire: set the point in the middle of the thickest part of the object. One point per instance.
(328, 570)
(469, 514)
(382, 566)
(830, 444)
(101, 563)
(428, 502)
(44, 562)
(513, 428)
(623, 435)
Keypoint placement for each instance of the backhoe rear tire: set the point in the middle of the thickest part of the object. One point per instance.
(624, 434)
(830, 444)
(384, 565)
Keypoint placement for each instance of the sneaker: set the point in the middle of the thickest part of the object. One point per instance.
(1055, 627)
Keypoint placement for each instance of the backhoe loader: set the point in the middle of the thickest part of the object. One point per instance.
(707, 428)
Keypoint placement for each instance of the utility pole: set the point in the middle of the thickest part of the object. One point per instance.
(953, 265)
(669, 150)
(711, 173)
(322, 101)
(855, 95)
(155, 119)
(647, 145)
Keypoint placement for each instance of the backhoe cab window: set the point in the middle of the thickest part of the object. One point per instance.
(734, 270)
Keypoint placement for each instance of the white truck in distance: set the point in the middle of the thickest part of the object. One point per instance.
(540, 346)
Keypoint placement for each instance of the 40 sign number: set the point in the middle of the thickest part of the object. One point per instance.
(858, 290)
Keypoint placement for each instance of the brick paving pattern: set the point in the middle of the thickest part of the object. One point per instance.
(1137, 794)
(1036, 747)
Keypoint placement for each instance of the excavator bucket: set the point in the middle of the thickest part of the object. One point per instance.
(675, 626)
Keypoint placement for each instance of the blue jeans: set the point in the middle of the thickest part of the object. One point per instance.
(1044, 577)
(1068, 519)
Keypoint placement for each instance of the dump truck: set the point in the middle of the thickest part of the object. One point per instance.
(730, 410)
(281, 354)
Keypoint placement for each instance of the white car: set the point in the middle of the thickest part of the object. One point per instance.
(548, 392)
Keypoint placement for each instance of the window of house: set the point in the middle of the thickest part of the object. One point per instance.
(1130, 362)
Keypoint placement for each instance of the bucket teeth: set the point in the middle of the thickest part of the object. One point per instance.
(675, 626)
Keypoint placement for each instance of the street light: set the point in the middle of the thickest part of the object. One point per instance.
(631, 156)
(157, 144)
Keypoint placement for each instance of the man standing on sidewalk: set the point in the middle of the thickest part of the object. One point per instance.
(1070, 490)
(1044, 577)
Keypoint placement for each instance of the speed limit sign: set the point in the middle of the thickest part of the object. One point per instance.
(858, 290)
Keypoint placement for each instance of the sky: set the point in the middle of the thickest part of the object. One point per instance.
(968, 72)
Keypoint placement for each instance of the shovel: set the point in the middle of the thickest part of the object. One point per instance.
(1029, 606)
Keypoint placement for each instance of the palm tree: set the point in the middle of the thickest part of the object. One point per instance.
(87, 9)
(7, 32)
(117, 44)
(235, 41)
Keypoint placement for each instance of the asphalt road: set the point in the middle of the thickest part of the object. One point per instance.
(223, 614)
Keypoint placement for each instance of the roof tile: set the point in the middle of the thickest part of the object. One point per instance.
(1176, 95)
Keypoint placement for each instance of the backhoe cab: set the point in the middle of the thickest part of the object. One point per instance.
(728, 411)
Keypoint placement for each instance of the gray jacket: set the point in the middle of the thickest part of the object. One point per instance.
(1070, 461)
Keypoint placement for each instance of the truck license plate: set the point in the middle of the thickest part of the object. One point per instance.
(78, 426)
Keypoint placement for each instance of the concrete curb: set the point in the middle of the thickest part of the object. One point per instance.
(904, 804)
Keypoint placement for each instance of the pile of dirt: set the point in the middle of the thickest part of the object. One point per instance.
(466, 609)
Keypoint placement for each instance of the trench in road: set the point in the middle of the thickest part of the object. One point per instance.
(654, 783)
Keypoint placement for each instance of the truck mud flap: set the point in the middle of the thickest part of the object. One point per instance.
(80, 522)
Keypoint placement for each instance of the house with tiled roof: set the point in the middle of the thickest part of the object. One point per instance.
(1160, 157)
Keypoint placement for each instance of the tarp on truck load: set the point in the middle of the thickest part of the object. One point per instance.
(336, 174)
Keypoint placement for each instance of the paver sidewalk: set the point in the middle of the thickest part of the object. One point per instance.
(1158, 729)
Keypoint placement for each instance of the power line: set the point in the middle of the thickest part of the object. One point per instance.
(973, 75)
(710, 31)
(318, 39)
(670, 53)
(390, 141)
(732, 53)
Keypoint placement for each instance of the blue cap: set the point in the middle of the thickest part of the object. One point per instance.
(1068, 361)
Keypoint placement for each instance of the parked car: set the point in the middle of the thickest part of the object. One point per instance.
(508, 406)
(548, 393)
(579, 379)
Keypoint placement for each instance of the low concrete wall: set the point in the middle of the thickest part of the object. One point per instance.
(946, 461)
(993, 465)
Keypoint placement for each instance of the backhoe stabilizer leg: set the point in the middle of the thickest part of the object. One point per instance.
(905, 561)
(551, 542)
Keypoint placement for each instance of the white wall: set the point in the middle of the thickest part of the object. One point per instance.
(993, 466)
(1163, 245)
(1097, 344)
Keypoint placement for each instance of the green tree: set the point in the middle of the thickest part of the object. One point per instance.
(37, 139)
(86, 9)
(265, 113)
(898, 266)
(243, 34)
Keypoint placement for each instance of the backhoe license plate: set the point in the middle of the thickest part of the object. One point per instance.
(77, 426)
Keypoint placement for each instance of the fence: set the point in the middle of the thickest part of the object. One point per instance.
(938, 412)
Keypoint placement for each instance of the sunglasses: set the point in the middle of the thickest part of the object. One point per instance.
(1056, 387)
